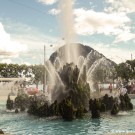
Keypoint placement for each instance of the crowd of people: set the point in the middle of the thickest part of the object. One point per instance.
(122, 89)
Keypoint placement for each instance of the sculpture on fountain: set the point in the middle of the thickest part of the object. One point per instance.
(10, 103)
(72, 99)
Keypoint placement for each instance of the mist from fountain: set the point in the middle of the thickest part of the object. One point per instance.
(67, 23)
(91, 70)
(53, 76)
(88, 63)
(58, 64)
(6, 87)
(71, 53)
(95, 65)
(92, 62)
(80, 62)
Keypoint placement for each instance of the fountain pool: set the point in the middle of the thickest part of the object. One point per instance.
(24, 124)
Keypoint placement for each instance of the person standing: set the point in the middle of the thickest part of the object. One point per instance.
(110, 87)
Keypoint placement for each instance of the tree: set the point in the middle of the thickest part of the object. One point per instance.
(126, 70)
(38, 71)
(15, 70)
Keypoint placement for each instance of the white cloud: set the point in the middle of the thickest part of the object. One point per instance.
(47, 2)
(122, 5)
(89, 22)
(126, 36)
(35, 40)
(26, 63)
(8, 61)
(9, 47)
(29, 35)
(54, 11)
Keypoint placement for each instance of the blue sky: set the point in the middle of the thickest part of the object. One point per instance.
(27, 25)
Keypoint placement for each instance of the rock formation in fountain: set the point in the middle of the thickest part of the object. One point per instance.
(78, 91)
(71, 86)
(97, 67)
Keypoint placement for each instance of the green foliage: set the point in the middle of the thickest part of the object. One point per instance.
(99, 75)
(36, 72)
(126, 70)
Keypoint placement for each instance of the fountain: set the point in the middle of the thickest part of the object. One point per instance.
(71, 72)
